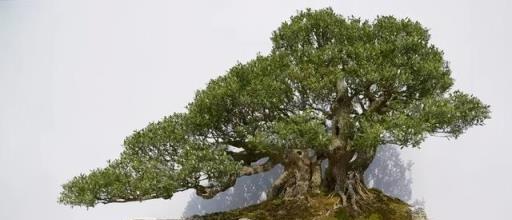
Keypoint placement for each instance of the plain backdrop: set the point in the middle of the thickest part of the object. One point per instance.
(76, 77)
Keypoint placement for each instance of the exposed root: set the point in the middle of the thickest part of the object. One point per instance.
(354, 191)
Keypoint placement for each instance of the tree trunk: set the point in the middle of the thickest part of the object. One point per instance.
(302, 175)
(344, 176)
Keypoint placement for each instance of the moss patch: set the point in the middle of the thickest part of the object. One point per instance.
(318, 207)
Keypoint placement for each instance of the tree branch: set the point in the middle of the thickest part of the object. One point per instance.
(246, 156)
(380, 102)
(251, 170)
(208, 192)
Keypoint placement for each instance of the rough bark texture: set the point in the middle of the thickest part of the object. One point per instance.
(302, 175)
(343, 177)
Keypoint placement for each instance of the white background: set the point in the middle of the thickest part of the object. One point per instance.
(76, 77)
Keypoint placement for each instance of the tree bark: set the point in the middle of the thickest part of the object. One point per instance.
(345, 176)
(302, 175)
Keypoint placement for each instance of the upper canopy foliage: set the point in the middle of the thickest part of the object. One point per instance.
(398, 84)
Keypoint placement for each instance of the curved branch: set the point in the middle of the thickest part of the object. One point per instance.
(247, 157)
(251, 170)
(208, 192)
(378, 105)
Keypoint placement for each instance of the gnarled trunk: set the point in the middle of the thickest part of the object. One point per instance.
(342, 177)
(301, 176)
(345, 176)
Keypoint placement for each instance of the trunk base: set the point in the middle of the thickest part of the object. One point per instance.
(302, 176)
(353, 192)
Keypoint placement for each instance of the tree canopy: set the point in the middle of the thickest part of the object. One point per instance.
(327, 76)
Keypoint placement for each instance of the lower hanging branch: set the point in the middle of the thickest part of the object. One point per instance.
(208, 192)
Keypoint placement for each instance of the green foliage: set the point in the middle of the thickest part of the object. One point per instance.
(398, 85)
(234, 106)
(300, 131)
(448, 115)
(157, 161)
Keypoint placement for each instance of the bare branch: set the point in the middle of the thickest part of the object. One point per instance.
(208, 192)
(251, 170)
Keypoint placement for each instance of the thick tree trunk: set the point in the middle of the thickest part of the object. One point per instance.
(302, 175)
(344, 176)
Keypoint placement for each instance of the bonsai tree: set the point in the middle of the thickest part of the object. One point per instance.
(331, 89)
